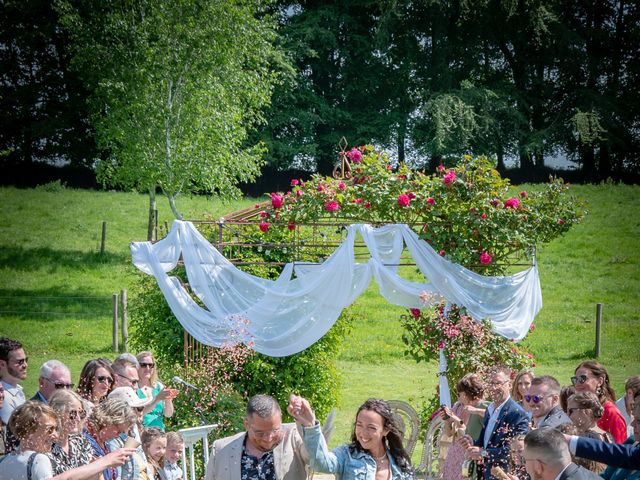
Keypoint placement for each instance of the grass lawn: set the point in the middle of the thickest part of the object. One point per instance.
(55, 289)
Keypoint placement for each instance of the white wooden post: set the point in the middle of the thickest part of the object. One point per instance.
(191, 437)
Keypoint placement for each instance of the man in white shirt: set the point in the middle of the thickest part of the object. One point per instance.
(547, 457)
(13, 369)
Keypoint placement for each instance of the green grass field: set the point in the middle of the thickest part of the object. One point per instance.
(55, 289)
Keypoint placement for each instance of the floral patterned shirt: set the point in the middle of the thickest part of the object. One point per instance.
(80, 453)
(253, 468)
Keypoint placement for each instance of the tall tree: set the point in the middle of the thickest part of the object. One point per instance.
(175, 85)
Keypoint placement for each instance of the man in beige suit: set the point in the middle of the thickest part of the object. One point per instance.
(267, 450)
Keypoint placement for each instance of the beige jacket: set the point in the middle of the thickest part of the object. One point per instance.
(290, 457)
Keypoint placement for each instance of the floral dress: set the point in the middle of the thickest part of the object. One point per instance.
(80, 454)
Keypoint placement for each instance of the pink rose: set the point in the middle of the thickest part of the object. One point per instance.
(264, 227)
(357, 201)
(264, 214)
(523, 194)
(483, 216)
(298, 193)
(485, 258)
(411, 195)
(404, 200)
(449, 177)
(440, 168)
(320, 187)
(431, 201)
(415, 312)
(560, 221)
(332, 206)
(354, 155)
(291, 225)
(341, 186)
(257, 205)
(367, 204)
(441, 344)
(276, 200)
(294, 182)
(494, 202)
(441, 253)
(512, 203)
(532, 327)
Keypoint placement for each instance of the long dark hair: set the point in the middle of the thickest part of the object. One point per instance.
(597, 369)
(393, 439)
(87, 377)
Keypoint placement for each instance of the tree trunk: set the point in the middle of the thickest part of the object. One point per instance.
(172, 204)
(500, 154)
(152, 214)
(402, 134)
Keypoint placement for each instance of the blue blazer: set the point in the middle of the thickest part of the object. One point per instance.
(621, 455)
(511, 421)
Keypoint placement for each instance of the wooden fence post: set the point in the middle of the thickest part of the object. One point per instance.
(114, 322)
(104, 237)
(125, 324)
(598, 328)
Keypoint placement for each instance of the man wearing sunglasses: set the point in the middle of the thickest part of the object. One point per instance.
(543, 398)
(13, 370)
(54, 375)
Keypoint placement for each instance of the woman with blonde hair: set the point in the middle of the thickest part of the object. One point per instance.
(521, 384)
(591, 376)
(151, 387)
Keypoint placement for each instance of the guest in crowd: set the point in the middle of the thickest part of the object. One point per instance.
(70, 448)
(13, 370)
(521, 385)
(625, 402)
(107, 420)
(96, 381)
(54, 375)
(517, 470)
(150, 387)
(503, 420)
(585, 410)
(375, 451)
(465, 417)
(125, 373)
(565, 393)
(175, 446)
(267, 445)
(615, 473)
(543, 399)
(129, 357)
(154, 444)
(35, 424)
(547, 457)
(591, 376)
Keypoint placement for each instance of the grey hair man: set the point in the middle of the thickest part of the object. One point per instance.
(547, 457)
(54, 375)
(125, 373)
(130, 357)
(543, 399)
(267, 445)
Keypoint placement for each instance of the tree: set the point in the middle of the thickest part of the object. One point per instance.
(175, 87)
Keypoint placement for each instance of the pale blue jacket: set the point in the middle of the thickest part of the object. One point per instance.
(343, 463)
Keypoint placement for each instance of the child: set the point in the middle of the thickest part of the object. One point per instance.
(154, 444)
(175, 445)
(516, 463)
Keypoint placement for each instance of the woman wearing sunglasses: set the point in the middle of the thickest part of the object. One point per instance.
(591, 376)
(150, 387)
(70, 449)
(36, 427)
(96, 382)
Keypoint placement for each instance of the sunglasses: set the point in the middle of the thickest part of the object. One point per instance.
(104, 379)
(60, 385)
(534, 398)
(75, 414)
(147, 365)
(22, 361)
(579, 380)
(132, 381)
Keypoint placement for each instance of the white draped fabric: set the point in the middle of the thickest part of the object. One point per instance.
(287, 315)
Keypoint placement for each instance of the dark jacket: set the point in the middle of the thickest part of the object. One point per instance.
(614, 454)
(575, 472)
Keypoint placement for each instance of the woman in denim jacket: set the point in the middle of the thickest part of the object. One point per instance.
(375, 451)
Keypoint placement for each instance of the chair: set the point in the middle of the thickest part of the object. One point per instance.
(191, 437)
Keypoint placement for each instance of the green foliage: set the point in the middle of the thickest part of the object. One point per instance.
(54, 186)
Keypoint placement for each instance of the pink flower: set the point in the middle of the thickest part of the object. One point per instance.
(532, 327)
(354, 155)
(441, 344)
(523, 194)
(485, 258)
(483, 216)
(415, 312)
(294, 182)
(264, 227)
(367, 204)
(257, 205)
(494, 202)
(276, 200)
(264, 214)
(560, 221)
(403, 200)
(512, 203)
(411, 195)
(441, 253)
(449, 177)
(298, 193)
(357, 201)
(440, 168)
(291, 225)
(431, 201)
(320, 187)
(332, 206)
(341, 186)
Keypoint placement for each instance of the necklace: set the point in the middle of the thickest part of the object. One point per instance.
(381, 458)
